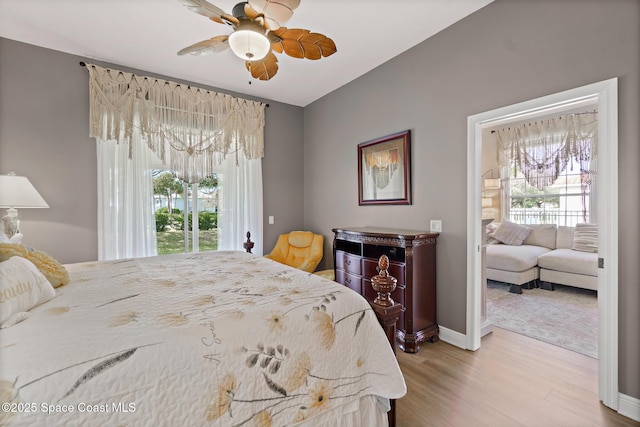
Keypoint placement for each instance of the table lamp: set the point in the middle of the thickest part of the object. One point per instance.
(17, 192)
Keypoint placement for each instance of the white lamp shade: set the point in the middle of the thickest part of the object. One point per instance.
(249, 45)
(18, 192)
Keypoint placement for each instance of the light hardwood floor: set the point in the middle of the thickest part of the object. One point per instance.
(511, 381)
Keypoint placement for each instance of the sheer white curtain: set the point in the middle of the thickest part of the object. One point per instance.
(126, 221)
(241, 203)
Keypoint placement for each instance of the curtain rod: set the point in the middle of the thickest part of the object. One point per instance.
(559, 117)
(84, 64)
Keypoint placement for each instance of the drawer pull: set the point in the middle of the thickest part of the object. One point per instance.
(348, 280)
(348, 262)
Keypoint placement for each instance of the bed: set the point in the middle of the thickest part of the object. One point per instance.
(214, 338)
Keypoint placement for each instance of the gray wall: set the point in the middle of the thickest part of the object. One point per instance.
(44, 135)
(507, 52)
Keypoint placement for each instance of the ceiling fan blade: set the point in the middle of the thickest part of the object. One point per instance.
(212, 12)
(276, 12)
(265, 68)
(227, 19)
(203, 7)
(250, 12)
(301, 43)
(213, 45)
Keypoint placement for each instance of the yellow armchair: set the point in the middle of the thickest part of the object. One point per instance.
(298, 249)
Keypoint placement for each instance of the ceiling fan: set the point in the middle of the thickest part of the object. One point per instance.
(258, 33)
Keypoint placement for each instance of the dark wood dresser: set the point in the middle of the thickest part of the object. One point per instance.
(412, 256)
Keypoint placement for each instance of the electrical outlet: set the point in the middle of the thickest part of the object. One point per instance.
(435, 226)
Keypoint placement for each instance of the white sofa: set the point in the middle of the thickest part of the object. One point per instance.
(545, 257)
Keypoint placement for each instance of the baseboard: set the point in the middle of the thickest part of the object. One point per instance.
(629, 406)
(486, 327)
(452, 337)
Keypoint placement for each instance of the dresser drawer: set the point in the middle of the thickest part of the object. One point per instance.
(371, 269)
(349, 280)
(349, 263)
(397, 295)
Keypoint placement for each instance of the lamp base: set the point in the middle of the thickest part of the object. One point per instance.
(10, 221)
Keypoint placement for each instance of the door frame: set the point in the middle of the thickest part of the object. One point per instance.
(606, 92)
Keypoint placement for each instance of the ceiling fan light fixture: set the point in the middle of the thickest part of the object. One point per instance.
(249, 44)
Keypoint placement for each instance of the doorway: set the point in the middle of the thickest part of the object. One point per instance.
(606, 94)
(563, 193)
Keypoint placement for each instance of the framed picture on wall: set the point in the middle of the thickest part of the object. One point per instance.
(384, 170)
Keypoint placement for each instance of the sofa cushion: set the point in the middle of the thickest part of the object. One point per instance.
(585, 238)
(570, 261)
(513, 258)
(564, 237)
(542, 235)
(511, 233)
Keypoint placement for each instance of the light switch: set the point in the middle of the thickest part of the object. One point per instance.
(271, 219)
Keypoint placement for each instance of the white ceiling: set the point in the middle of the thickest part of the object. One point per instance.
(146, 34)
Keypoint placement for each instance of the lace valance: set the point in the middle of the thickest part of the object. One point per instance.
(542, 150)
(189, 128)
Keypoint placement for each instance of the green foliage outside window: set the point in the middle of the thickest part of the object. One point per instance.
(206, 220)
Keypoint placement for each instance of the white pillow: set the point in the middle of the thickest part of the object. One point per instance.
(542, 235)
(511, 233)
(22, 287)
(585, 238)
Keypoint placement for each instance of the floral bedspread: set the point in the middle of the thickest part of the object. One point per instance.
(214, 338)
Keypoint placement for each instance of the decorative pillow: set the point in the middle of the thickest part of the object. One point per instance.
(491, 228)
(22, 287)
(542, 235)
(52, 269)
(512, 234)
(585, 238)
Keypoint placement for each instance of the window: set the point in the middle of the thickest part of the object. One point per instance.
(567, 201)
(548, 168)
(196, 132)
(201, 204)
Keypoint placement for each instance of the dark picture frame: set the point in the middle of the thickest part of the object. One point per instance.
(384, 170)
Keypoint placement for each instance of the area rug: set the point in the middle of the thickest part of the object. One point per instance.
(566, 317)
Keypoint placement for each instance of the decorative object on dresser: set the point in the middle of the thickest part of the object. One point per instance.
(384, 170)
(412, 261)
